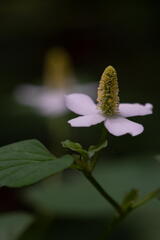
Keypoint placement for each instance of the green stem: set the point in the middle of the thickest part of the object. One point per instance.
(107, 197)
(111, 227)
(120, 218)
(146, 199)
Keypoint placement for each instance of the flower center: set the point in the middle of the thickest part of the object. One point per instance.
(108, 99)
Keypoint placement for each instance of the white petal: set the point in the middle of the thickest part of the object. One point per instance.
(119, 126)
(51, 103)
(135, 109)
(86, 121)
(80, 104)
(45, 101)
(28, 94)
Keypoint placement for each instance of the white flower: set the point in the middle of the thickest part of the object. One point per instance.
(48, 101)
(58, 80)
(117, 124)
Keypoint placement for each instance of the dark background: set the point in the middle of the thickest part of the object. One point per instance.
(124, 34)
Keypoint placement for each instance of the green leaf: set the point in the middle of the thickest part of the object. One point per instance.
(77, 197)
(147, 198)
(130, 198)
(94, 149)
(72, 198)
(75, 147)
(12, 225)
(27, 162)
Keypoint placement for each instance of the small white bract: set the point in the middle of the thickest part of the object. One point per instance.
(116, 124)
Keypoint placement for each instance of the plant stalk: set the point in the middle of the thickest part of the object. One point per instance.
(107, 197)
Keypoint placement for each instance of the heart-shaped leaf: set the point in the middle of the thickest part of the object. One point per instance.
(27, 162)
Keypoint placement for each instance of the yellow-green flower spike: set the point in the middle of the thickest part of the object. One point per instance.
(108, 99)
(58, 71)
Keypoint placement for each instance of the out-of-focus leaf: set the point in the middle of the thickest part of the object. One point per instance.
(79, 198)
(27, 162)
(39, 229)
(12, 225)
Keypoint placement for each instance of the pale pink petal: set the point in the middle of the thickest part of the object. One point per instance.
(28, 94)
(80, 104)
(86, 121)
(135, 109)
(51, 103)
(43, 100)
(119, 126)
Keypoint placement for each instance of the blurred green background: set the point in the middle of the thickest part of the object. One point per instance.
(124, 34)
